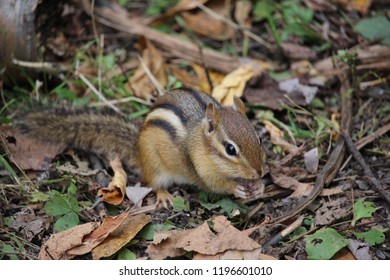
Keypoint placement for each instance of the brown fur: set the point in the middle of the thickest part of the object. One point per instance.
(102, 133)
(183, 141)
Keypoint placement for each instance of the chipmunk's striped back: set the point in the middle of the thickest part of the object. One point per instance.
(179, 111)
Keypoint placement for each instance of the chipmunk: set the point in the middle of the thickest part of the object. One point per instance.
(187, 138)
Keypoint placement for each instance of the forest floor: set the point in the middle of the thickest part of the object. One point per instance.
(313, 74)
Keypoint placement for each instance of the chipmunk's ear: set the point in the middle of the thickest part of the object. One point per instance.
(238, 105)
(213, 117)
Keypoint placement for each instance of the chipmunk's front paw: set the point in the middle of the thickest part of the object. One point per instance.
(164, 199)
(251, 190)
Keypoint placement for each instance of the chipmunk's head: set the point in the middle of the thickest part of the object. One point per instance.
(234, 147)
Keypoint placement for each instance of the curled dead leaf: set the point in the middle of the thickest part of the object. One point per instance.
(122, 235)
(116, 190)
(56, 247)
(93, 239)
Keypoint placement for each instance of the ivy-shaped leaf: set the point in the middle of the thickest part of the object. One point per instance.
(57, 205)
(179, 204)
(373, 236)
(323, 244)
(362, 209)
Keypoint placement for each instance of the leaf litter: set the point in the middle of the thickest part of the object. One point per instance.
(301, 75)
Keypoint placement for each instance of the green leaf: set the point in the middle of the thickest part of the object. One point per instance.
(67, 221)
(373, 236)
(147, 232)
(362, 209)
(298, 232)
(57, 205)
(126, 254)
(323, 244)
(263, 10)
(8, 250)
(209, 206)
(293, 12)
(228, 206)
(37, 196)
(179, 204)
(65, 93)
(74, 205)
(375, 28)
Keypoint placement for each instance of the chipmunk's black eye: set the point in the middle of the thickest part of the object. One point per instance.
(230, 149)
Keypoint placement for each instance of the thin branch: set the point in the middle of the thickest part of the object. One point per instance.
(379, 187)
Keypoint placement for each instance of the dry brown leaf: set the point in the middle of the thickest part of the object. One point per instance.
(198, 80)
(276, 138)
(28, 153)
(59, 243)
(93, 239)
(357, 251)
(116, 190)
(344, 254)
(202, 239)
(184, 5)
(361, 6)
(28, 225)
(207, 25)
(300, 189)
(120, 236)
(236, 255)
(331, 211)
(139, 82)
(233, 84)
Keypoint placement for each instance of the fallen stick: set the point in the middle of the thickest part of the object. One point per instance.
(117, 18)
(379, 187)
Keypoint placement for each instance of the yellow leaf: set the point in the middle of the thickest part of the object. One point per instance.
(233, 84)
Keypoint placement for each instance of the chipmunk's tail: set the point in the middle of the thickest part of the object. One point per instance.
(103, 133)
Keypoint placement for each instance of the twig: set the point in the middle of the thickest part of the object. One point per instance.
(122, 100)
(278, 237)
(151, 77)
(98, 93)
(368, 139)
(379, 187)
